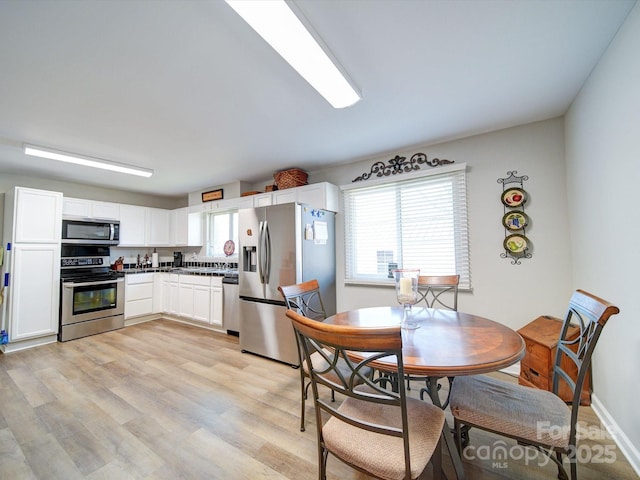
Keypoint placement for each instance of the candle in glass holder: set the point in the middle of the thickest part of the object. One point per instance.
(405, 286)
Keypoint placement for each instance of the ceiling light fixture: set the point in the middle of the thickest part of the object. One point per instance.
(86, 161)
(276, 23)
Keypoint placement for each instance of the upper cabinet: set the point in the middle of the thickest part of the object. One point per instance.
(158, 227)
(82, 208)
(37, 216)
(324, 196)
(132, 226)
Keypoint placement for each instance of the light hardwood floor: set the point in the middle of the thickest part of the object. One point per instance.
(165, 400)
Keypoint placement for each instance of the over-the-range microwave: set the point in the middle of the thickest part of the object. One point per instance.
(94, 232)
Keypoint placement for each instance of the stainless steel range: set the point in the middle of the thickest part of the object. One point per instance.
(92, 295)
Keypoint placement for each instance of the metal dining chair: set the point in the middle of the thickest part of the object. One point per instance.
(534, 417)
(375, 430)
(436, 291)
(305, 299)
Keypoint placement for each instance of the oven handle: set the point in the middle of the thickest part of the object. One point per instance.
(104, 282)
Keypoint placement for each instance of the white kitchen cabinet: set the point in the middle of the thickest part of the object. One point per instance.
(170, 294)
(33, 227)
(138, 295)
(83, 208)
(201, 303)
(179, 226)
(36, 215)
(325, 196)
(34, 291)
(186, 227)
(105, 210)
(194, 229)
(158, 291)
(215, 316)
(244, 202)
(158, 227)
(132, 226)
(76, 207)
(194, 297)
(263, 199)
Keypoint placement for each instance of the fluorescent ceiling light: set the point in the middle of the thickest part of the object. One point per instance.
(276, 23)
(86, 161)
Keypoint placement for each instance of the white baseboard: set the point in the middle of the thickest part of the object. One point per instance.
(623, 442)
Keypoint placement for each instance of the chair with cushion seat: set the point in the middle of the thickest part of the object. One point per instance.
(305, 299)
(436, 291)
(534, 417)
(375, 430)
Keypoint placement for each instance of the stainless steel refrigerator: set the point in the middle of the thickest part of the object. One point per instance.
(281, 245)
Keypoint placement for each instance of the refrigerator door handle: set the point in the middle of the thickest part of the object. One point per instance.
(260, 253)
(267, 244)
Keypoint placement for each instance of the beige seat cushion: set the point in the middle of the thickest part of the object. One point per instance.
(383, 455)
(515, 410)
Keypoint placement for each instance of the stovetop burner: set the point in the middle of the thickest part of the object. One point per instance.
(90, 275)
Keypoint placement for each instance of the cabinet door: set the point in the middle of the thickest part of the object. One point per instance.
(216, 306)
(185, 300)
(263, 200)
(201, 303)
(35, 290)
(38, 216)
(105, 210)
(132, 225)
(179, 226)
(158, 291)
(194, 227)
(285, 196)
(174, 297)
(76, 207)
(158, 227)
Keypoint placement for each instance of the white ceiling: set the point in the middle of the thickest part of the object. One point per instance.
(187, 89)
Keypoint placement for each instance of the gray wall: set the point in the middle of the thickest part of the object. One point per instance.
(603, 170)
(511, 294)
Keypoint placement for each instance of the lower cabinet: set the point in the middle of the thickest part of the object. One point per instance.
(138, 295)
(193, 297)
(34, 292)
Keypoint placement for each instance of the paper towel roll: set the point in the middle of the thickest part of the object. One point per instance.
(154, 260)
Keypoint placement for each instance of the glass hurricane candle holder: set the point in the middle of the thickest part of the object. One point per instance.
(407, 293)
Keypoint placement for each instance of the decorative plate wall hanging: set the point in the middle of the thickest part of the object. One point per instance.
(515, 220)
(514, 197)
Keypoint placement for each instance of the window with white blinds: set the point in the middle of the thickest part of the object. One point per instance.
(414, 223)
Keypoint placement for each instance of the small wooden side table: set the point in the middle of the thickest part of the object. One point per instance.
(536, 368)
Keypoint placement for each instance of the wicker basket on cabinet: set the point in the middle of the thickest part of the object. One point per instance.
(293, 177)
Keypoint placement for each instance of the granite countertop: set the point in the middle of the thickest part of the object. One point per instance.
(209, 271)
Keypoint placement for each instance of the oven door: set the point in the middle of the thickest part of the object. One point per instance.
(91, 300)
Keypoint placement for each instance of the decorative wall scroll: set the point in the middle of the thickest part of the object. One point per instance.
(400, 164)
(515, 221)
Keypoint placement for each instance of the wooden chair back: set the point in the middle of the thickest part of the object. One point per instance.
(358, 349)
(304, 298)
(439, 291)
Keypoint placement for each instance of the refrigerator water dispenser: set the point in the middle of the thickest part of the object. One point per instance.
(249, 259)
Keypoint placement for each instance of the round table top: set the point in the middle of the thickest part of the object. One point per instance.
(447, 343)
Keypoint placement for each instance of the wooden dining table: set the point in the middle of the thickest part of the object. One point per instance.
(445, 344)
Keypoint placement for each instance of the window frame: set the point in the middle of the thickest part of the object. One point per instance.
(207, 226)
(461, 241)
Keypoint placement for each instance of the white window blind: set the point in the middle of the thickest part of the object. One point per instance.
(221, 226)
(414, 223)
